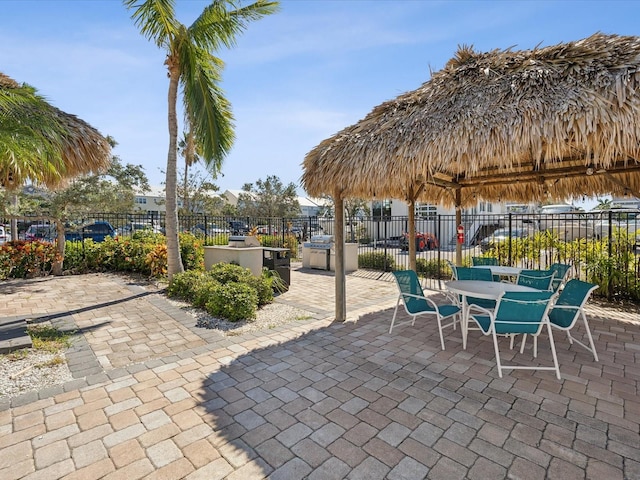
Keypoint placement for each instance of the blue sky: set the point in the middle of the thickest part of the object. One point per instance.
(294, 78)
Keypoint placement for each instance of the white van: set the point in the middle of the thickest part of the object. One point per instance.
(566, 221)
(621, 218)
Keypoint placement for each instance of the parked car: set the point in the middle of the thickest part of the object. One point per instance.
(43, 232)
(238, 227)
(130, 228)
(502, 235)
(96, 231)
(211, 229)
(424, 241)
(4, 236)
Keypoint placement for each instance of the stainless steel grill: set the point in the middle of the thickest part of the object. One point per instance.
(319, 248)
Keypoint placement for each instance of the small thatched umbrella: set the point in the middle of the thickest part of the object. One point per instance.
(557, 122)
(41, 143)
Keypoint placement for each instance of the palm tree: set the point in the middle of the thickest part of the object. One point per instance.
(192, 66)
(604, 204)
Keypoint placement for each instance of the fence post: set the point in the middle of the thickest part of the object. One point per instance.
(509, 237)
(610, 251)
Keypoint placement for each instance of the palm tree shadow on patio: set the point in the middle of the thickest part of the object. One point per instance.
(348, 400)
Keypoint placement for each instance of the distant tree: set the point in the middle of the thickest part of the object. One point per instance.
(199, 195)
(113, 192)
(353, 208)
(229, 210)
(195, 71)
(269, 198)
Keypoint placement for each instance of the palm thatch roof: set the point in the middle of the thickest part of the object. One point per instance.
(41, 143)
(559, 121)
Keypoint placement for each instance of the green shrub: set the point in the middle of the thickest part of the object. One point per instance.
(191, 252)
(228, 273)
(433, 268)
(144, 252)
(233, 301)
(185, 285)
(205, 290)
(376, 261)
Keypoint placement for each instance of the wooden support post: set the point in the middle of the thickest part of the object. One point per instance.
(340, 279)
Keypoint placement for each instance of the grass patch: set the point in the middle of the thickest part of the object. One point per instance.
(48, 338)
(17, 355)
(54, 362)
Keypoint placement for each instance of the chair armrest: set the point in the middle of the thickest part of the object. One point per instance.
(480, 309)
(428, 300)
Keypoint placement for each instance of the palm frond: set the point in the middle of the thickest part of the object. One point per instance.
(211, 111)
(219, 25)
(155, 19)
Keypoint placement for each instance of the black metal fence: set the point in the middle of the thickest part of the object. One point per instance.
(602, 247)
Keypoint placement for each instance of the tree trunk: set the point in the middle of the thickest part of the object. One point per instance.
(15, 202)
(174, 261)
(60, 245)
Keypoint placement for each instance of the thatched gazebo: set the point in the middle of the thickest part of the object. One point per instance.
(559, 121)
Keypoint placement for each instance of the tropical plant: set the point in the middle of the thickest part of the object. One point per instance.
(192, 66)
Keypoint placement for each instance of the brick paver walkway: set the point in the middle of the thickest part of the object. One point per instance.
(156, 397)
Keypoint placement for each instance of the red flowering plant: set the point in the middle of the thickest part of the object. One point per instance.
(21, 259)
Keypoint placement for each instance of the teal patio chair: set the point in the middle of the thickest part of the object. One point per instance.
(518, 313)
(568, 308)
(480, 261)
(484, 274)
(560, 275)
(415, 303)
(538, 279)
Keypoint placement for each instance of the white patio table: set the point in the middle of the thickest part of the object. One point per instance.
(480, 289)
(501, 270)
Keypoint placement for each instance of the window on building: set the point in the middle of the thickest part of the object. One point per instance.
(426, 211)
(381, 209)
(141, 200)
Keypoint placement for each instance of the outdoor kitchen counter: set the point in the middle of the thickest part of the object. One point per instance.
(248, 257)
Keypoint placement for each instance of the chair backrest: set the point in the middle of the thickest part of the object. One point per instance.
(466, 273)
(452, 266)
(522, 312)
(409, 285)
(572, 298)
(539, 279)
(476, 261)
(561, 272)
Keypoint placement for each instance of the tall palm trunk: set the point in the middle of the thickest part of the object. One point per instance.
(174, 260)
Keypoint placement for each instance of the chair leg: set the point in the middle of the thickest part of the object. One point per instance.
(524, 340)
(395, 312)
(553, 351)
(440, 331)
(495, 347)
(593, 347)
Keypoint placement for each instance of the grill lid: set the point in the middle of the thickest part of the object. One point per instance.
(325, 239)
